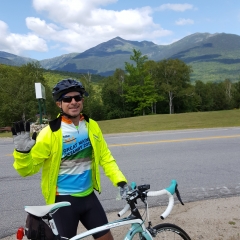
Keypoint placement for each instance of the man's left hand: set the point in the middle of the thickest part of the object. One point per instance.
(21, 137)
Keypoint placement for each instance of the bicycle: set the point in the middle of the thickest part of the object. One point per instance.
(137, 222)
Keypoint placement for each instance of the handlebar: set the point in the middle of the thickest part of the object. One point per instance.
(124, 210)
(142, 193)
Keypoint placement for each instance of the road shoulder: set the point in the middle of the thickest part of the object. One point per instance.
(207, 219)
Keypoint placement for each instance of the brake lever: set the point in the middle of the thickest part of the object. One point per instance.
(178, 195)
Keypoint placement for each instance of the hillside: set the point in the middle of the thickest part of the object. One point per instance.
(13, 60)
(214, 57)
(106, 57)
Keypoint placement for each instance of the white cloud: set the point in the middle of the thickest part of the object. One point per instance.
(77, 25)
(3, 27)
(40, 27)
(80, 25)
(17, 43)
(70, 11)
(175, 7)
(183, 21)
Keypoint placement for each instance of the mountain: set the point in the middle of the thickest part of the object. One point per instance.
(13, 60)
(213, 57)
(105, 57)
(54, 63)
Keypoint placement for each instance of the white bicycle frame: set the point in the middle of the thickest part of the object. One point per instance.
(137, 224)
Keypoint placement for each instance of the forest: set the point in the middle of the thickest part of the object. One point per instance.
(144, 87)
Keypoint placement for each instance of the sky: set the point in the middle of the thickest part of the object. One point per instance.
(43, 29)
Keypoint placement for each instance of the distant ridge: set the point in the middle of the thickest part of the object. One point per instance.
(14, 60)
(213, 57)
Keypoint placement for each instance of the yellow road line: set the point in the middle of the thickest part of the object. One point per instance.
(166, 141)
(175, 140)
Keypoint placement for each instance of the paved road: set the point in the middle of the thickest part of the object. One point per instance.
(204, 162)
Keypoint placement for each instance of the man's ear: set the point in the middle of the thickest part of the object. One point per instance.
(59, 104)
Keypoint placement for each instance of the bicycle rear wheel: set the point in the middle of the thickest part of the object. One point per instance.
(169, 231)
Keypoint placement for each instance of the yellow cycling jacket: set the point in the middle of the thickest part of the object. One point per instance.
(47, 153)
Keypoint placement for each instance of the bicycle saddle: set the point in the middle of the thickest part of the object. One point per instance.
(41, 211)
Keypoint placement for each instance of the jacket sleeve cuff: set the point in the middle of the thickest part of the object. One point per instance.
(121, 184)
(23, 151)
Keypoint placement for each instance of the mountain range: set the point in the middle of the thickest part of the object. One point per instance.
(213, 57)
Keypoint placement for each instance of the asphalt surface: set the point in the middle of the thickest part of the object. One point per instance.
(205, 163)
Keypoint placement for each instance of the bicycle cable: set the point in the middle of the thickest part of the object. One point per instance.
(145, 213)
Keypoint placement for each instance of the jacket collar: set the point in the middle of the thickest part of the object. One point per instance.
(56, 123)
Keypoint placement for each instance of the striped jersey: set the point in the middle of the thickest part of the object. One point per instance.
(75, 174)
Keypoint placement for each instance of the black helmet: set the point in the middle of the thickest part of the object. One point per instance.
(66, 86)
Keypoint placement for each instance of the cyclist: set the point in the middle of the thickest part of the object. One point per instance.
(69, 150)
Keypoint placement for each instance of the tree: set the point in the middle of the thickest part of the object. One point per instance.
(113, 96)
(222, 95)
(92, 103)
(17, 93)
(229, 91)
(174, 78)
(139, 86)
(151, 70)
(236, 94)
(205, 94)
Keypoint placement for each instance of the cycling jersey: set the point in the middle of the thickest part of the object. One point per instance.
(75, 174)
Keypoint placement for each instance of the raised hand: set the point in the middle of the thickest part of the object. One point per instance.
(21, 137)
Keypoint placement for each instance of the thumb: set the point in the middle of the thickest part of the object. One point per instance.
(34, 136)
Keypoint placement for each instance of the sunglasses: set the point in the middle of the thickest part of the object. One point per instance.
(68, 99)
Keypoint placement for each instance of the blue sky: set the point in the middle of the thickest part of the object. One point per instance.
(43, 29)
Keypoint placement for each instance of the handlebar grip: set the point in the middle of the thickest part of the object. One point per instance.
(170, 202)
(169, 207)
(169, 191)
(156, 193)
(124, 210)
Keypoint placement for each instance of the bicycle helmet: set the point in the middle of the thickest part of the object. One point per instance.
(65, 86)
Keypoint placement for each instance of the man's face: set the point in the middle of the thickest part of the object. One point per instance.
(71, 106)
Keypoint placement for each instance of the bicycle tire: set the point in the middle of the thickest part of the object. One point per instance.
(169, 231)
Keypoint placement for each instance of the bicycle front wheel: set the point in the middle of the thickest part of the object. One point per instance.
(169, 231)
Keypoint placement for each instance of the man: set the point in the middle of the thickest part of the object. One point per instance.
(69, 151)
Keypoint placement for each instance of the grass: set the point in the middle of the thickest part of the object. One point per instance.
(161, 122)
(5, 134)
